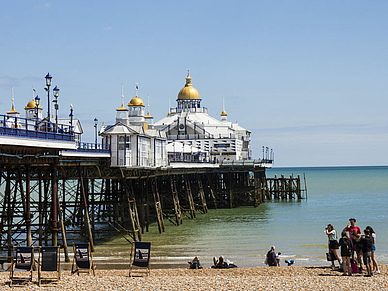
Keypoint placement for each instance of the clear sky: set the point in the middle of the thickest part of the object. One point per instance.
(308, 78)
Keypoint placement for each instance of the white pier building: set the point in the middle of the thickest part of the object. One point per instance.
(194, 135)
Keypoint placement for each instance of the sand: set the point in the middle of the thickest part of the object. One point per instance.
(257, 278)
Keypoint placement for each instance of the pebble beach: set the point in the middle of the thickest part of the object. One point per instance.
(256, 278)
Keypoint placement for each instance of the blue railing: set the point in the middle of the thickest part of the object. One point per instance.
(93, 147)
(33, 128)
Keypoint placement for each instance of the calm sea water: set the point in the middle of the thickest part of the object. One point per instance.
(245, 234)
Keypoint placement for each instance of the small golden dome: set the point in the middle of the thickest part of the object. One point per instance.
(13, 111)
(32, 105)
(148, 115)
(223, 113)
(122, 108)
(136, 102)
(188, 91)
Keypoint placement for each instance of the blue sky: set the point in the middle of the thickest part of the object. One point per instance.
(308, 78)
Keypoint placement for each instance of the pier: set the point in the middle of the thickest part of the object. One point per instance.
(56, 189)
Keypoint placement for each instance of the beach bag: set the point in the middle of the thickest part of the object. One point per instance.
(330, 257)
(355, 267)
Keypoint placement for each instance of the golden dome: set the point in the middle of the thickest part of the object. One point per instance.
(148, 115)
(122, 108)
(136, 102)
(223, 113)
(188, 91)
(32, 105)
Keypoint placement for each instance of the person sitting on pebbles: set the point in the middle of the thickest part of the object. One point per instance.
(221, 263)
(195, 264)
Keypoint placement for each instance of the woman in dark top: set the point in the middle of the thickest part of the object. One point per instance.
(346, 252)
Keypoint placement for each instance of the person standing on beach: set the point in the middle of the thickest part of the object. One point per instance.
(366, 242)
(333, 243)
(271, 257)
(355, 235)
(346, 251)
(373, 256)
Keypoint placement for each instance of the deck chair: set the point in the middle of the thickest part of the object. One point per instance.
(22, 260)
(141, 252)
(83, 259)
(49, 261)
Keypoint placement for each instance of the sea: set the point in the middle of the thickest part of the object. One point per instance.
(243, 235)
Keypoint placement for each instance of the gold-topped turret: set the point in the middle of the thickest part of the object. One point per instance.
(223, 113)
(122, 108)
(136, 101)
(188, 91)
(13, 111)
(32, 105)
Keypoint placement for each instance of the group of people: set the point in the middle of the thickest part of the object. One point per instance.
(364, 246)
(219, 263)
(272, 259)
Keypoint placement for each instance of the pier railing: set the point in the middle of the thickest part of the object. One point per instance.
(34, 128)
(93, 147)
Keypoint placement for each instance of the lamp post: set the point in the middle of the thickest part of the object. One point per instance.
(95, 128)
(48, 84)
(56, 95)
(37, 100)
(71, 118)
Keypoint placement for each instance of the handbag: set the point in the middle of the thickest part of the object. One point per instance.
(330, 257)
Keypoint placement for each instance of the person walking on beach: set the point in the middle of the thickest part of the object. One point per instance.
(375, 267)
(355, 235)
(271, 257)
(366, 242)
(333, 243)
(346, 251)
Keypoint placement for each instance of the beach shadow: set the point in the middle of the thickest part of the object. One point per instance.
(318, 267)
(329, 275)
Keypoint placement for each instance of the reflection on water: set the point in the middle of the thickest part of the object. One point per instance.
(245, 234)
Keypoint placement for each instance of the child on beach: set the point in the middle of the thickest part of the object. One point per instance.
(346, 252)
(366, 242)
(278, 258)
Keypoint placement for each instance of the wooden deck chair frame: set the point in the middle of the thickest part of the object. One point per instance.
(49, 261)
(83, 259)
(22, 259)
(140, 258)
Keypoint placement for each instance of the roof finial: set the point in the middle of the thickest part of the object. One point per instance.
(122, 94)
(148, 104)
(188, 79)
(13, 99)
(137, 88)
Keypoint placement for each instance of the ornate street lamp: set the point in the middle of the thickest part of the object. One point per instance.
(56, 95)
(95, 128)
(71, 119)
(37, 100)
(48, 84)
